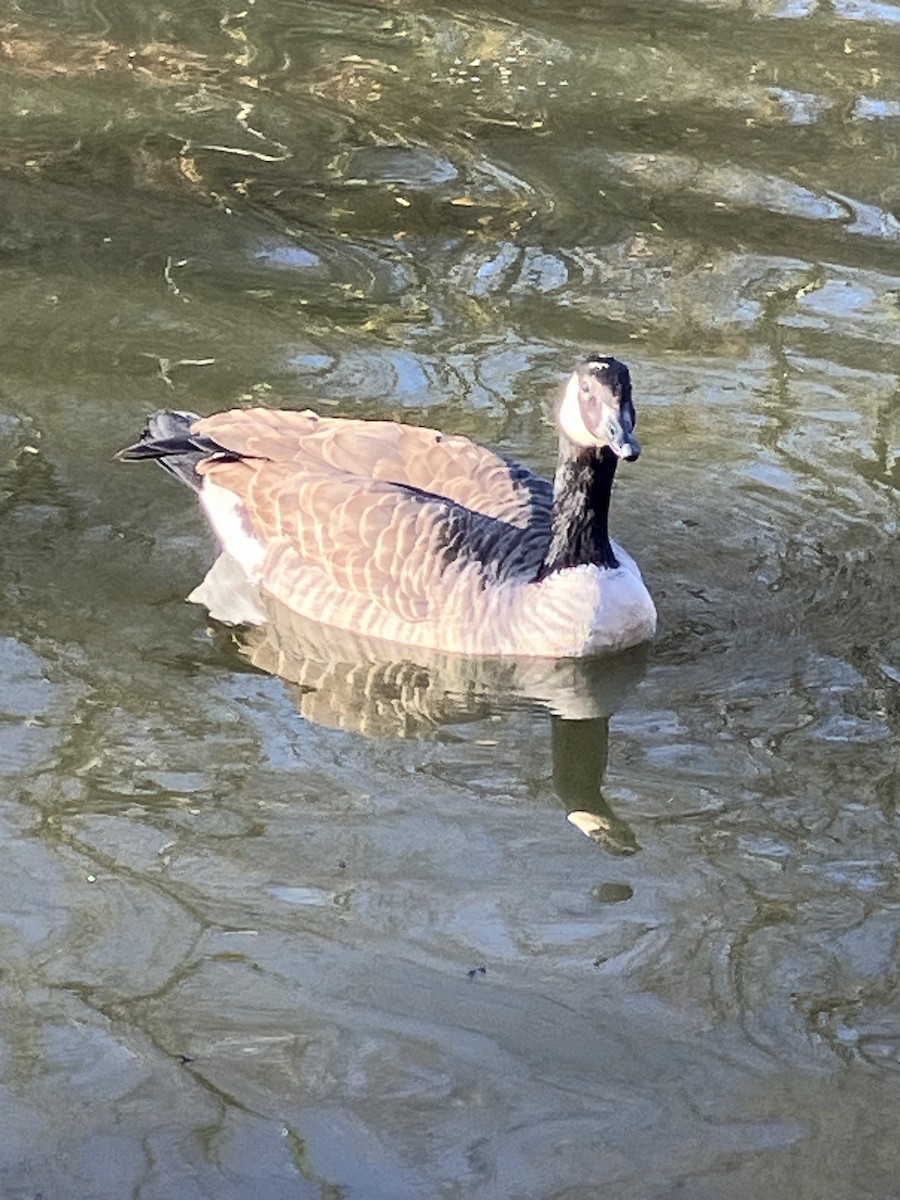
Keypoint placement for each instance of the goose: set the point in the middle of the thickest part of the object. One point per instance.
(416, 537)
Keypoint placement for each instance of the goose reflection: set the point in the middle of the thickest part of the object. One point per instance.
(345, 681)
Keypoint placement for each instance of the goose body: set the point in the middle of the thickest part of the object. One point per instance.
(419, 538)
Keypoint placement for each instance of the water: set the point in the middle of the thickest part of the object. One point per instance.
(245, 921)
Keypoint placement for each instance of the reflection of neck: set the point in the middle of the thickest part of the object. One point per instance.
(580, 523)
(580, 750)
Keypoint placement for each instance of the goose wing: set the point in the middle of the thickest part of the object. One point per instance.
(336, 542)
(451, 466)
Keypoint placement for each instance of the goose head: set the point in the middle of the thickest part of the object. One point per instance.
(596, 419)
(596, 411)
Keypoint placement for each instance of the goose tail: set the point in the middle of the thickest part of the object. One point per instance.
(168, 439)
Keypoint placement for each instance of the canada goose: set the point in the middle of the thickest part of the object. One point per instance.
(410, 535)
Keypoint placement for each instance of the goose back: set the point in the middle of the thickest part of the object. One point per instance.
(447, 465)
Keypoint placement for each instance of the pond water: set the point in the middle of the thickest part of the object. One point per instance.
(334, 936)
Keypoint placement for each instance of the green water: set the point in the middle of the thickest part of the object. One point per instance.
(242, 921)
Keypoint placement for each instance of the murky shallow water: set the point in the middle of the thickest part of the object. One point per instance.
(242, 940)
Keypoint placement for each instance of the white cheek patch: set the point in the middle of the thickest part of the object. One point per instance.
(229, 519)
(571, 422)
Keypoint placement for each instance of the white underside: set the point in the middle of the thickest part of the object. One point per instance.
(226, 513)
(378, 687)
(573, 613)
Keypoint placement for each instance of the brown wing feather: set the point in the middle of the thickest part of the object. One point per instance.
(444, 465)
(371, 539)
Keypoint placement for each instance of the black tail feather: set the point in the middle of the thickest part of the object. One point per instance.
(168, 439)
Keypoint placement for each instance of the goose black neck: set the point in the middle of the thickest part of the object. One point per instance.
(580, 526)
